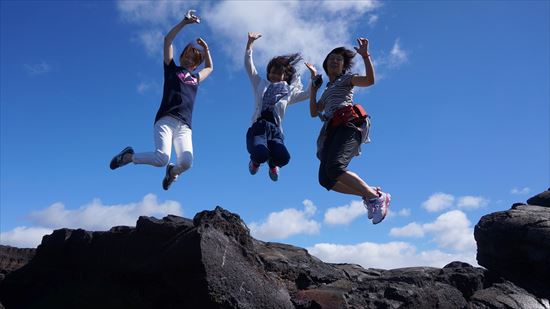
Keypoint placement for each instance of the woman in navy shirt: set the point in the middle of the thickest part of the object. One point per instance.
(173, 121)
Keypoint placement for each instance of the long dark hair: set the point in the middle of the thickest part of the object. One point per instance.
(286, 64)
(344, 52)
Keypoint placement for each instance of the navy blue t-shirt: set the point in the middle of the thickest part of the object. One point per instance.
(180, 90)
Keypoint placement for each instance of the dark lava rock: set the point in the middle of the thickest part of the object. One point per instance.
(515, 244)
(213, 262)
(541, 199)
(12, 258)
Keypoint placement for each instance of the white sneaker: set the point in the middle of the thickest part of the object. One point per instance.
(380, 206)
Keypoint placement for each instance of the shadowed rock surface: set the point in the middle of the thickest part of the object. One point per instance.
(12, 258)
(213, 262)
(516, 244)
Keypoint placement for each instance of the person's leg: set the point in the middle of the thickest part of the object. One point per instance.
(279, 155)
(256, 143)
(340, 150)
(163, 131)
(183, 147)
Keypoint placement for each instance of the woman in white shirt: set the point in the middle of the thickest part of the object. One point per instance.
(265, 139)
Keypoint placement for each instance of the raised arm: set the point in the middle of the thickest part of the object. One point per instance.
(248, 61)
(314, 108)
(189, 18)
(367, 79)
(208, 65)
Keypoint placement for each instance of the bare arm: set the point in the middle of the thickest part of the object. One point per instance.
(249, 62)
(208, 65)
(169, 38)
(314, 108)
(368, 78)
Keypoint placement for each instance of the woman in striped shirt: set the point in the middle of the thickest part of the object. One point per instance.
(340, 139)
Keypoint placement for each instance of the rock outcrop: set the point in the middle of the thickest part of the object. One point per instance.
(12, 258)
(515, 244)
(213, 262)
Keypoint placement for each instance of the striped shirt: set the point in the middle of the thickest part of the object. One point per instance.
(337, 94)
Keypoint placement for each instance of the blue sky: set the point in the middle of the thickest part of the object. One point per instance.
(460, 114)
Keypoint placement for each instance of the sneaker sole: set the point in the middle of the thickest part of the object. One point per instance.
(113, 164)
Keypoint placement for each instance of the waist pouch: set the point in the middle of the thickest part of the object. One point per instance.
(349, 113)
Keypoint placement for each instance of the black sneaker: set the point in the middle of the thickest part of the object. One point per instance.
(168, 179)
(118, 160)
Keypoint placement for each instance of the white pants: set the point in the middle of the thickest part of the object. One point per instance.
(168, 131)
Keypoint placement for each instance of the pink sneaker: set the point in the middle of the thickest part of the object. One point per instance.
(368, 206)
(380, 206)
(253, 168)
(274, 173)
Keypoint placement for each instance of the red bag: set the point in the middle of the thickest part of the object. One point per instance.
(348, 113)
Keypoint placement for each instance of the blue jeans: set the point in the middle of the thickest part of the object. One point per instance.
(265, 141)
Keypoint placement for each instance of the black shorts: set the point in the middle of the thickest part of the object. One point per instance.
(340, 146)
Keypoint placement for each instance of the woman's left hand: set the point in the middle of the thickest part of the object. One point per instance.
(202, 43)
(363, 48)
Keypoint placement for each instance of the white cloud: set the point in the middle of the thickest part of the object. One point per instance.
(288, 222)
(38, 68)
(347, 6)
(472, 202)
(524, 190)
(145, 86)
(24, 237)
(405, 212)
(96, 216)
(452, 230)
(387, 256)
(345, 214)
(93, 217)
(412, 229)
(373, 19)
(397, 55)
(438, 201)
(287, 27)
(152, 41)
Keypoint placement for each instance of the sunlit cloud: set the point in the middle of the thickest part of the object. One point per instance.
(520, 191)
(438, 201)
(24, 237)
(344, 215)
(373, 20)
(94, 216)
(412, 229)
(472, 202)
(387, 255)
(286, 223)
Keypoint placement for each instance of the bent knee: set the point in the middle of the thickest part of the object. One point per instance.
(161, 159)
(185, 162)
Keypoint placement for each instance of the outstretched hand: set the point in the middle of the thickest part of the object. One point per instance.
(191, 18)
(363, 48)
(311, 68)
(253, 36)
